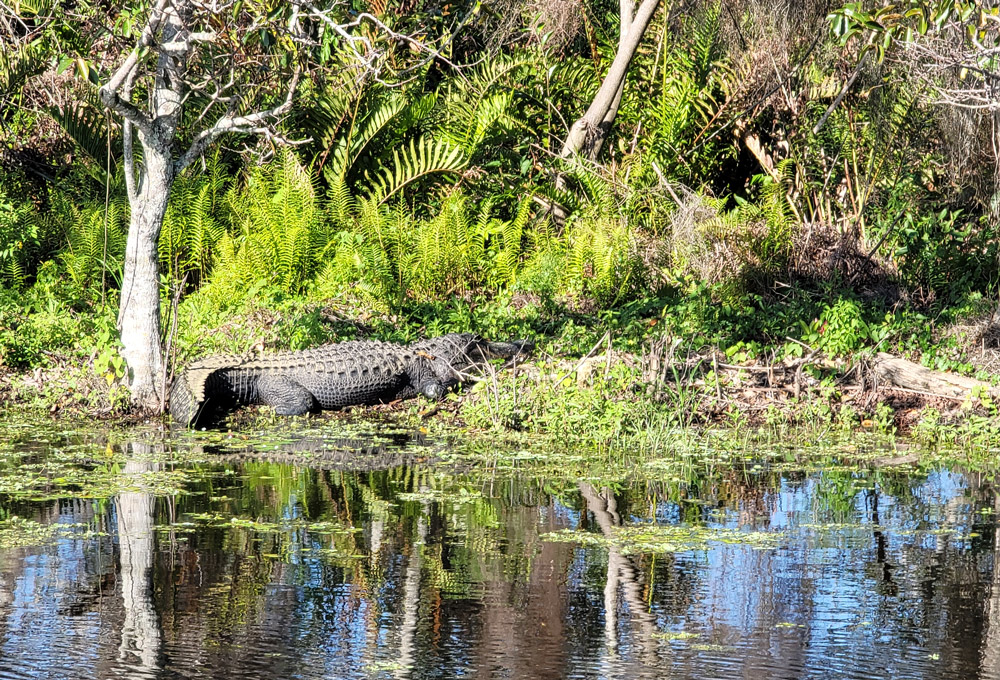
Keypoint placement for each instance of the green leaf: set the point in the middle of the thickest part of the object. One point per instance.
(422, 158)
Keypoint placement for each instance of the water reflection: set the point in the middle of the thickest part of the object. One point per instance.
(141, 638)
(313, 561)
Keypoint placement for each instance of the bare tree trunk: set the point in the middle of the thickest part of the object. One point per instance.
(588, 133)
(139, 312)
(170, 36)
(626, 11)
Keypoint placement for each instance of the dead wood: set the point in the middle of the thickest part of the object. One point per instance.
(906, 374)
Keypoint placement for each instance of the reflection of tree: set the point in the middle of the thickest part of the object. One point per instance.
(141, 636)
(622, 573)
(991, 639)
(411, 598)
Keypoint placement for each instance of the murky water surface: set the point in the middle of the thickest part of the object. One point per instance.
(326, 554)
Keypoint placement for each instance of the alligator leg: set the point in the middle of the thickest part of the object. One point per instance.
(287, 397)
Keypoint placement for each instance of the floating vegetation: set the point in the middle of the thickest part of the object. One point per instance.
(18, 532)
(457, 496)
(660, 539)
(675, 636)
(210, 519)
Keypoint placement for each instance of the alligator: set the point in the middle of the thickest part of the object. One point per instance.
(357, 372)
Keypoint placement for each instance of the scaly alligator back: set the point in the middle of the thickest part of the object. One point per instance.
(344, 374)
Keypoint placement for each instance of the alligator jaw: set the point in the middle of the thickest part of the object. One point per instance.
(510, 350)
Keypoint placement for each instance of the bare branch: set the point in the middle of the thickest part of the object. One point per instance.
(109, 93)
(251, 123)
(371, 54)
(956, 72)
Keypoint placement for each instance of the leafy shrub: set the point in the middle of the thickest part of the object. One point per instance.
(36, 324)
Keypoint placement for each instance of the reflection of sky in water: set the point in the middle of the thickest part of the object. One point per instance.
(35, 632)
(839, 597)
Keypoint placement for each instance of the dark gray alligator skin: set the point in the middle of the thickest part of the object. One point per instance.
(333, 376)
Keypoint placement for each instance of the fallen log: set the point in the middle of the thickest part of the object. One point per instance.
(900, 372)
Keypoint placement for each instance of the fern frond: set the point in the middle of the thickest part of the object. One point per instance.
(87, 125)
(423, 157)
(351, 145)
(18, 65)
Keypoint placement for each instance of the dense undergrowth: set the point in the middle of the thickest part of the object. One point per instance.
(735, 210)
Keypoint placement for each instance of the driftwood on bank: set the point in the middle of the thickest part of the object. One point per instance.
(663, 364)
(908, 375)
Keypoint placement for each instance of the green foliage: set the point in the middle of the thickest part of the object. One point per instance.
(481, 110)
(840, 329)
(421, 158)
(943, 251)
(86, 122)
(386, 255)
(95, 249)
(279, 231)
(601, 259)
(19, 64)
(685, 80)
(38, 323)
(194, 223)
(18, 234)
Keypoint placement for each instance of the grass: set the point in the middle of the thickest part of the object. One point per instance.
(610, 400)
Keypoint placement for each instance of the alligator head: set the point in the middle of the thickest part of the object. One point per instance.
(441, 363)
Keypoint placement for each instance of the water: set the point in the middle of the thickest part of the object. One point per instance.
(320, 554)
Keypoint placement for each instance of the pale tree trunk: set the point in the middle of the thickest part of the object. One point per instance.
(626, 12)
(139, 312)
(148, 191)
(169, 36)
(588, 133)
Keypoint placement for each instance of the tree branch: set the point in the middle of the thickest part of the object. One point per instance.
(109, 92)
(253, 122)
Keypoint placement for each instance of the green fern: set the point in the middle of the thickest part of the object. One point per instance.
(16, 66)
(194, 223)
(423, 157)
(511, 248)
(279, 229)
(95, 249)
(483, 104)
(359, 135)
(88, 125)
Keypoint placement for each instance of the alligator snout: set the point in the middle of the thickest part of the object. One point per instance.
(512, 349)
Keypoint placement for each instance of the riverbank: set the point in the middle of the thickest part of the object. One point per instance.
(610, 378)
